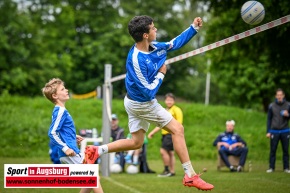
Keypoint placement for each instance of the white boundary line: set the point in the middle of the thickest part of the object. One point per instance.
(220, 43)
(121, 185)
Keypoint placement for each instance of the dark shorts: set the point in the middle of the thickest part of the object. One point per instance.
(167, 143)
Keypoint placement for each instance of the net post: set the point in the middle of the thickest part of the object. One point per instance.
(207, 84)
(106, 115)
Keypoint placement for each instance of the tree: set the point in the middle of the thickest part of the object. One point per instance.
(74, 39)
(250, 70)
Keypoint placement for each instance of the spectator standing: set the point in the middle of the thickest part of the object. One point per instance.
(167, 150)
(117, 133)
(278, 129)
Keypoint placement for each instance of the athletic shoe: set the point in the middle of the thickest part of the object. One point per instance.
(135, 163)
(171, 174)
(287, 171)
(270, 170)
(128, 159)
(239, 169)
(232, 169)
(91, 154)
(196, 181)
(164, 174)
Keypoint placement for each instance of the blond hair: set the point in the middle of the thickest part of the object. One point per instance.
(232, 122)
(50, 88)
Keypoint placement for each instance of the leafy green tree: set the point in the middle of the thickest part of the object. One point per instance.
(250, 70)
(33, 51)
(74, 40)
(13, 37)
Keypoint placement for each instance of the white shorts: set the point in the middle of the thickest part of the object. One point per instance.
(141, 114)
(77, 159)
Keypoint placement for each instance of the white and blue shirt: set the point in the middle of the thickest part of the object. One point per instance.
(229, 138)
(142, 78)
(62, 131)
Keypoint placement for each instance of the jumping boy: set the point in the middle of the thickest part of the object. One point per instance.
(62, 131)
(145, 72)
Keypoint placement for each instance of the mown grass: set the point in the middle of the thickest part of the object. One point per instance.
(256, 181)
(24, 123)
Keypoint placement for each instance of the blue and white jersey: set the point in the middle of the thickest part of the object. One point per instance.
(62, 131)
(229, 138)
(142, 78)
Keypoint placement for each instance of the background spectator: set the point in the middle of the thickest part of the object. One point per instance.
(166, 150)
(278, 129)
(229, 143)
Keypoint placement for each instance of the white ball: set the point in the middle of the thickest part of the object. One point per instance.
(131, 169)
(253, 12)
(115, 168)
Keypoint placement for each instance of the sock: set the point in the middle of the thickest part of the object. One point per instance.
(130, 152)
(188, 169)
(135, 158)
(166, 168)
(102, 149)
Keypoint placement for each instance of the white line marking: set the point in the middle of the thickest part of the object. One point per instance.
(121, 185)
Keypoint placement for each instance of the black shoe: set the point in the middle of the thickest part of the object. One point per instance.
(232, 169)
(172, 174)
(164, 174)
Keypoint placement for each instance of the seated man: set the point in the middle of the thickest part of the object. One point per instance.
(117, 133)
(229, 143)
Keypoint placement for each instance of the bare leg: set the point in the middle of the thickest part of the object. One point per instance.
(137, 152)
(177, 131)
(85, 190)
(128, 144)
(95, 190)
(165, 157)
(171, 162)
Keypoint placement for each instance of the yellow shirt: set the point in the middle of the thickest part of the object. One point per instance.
(177, 114)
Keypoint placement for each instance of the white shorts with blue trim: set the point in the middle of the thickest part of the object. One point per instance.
(141, 114)
(77, 159)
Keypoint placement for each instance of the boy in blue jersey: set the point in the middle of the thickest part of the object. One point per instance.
(62, 132)
(145, 72)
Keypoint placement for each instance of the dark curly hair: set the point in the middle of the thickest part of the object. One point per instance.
(138, 26)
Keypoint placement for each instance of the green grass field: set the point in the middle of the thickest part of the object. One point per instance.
(24, 123)
(256, 181)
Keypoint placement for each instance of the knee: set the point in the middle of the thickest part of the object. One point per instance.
(179, 130)
(221, 151)
(137, 144)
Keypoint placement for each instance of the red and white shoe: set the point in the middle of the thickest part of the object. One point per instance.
(91, 154)
(196, 181)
